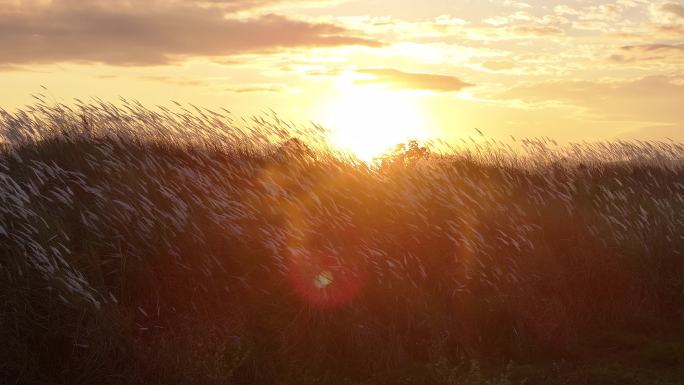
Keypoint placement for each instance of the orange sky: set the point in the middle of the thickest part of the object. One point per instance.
(389, 69)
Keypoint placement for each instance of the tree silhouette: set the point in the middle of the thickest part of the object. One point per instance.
(404, 154)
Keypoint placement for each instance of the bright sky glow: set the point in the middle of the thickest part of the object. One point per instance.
(367, 121)
(567, 69)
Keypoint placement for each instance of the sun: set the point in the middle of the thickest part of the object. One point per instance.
(367, 121)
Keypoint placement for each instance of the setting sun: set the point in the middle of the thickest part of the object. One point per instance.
(367, 121)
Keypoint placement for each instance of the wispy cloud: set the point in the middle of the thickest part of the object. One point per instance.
(536, 30)
(412, 81)
(258, 88)
(673, 8)
(181, 81)
(650, 52)
(498, 65)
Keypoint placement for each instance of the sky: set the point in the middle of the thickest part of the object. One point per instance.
(373, 71)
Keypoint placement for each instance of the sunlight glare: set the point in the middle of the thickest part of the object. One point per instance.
(368, 121)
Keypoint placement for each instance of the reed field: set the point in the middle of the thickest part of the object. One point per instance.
(187, 246)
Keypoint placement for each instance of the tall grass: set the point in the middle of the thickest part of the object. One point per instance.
(186, 246)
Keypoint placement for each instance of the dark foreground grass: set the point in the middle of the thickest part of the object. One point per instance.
(141, 247)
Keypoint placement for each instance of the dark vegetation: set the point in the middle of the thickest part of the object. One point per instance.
(141, 247)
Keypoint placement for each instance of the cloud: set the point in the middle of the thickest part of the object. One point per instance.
(525, 24)
(516, 4)
(322, 72)
(649, 52)
(180, 81)
(412, 81)
(242, 5)
(565, 10)
(674, 9)
(138, 32)
(258, 88)
(608, 18)
(536, 30)
(11, 68)
(654, 47)
(670, 30)
(498, 65)
(605, 12)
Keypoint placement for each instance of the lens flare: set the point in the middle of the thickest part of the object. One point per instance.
(323, 279)
(320, 252)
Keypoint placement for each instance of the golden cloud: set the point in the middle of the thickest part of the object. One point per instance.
(412, 81)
